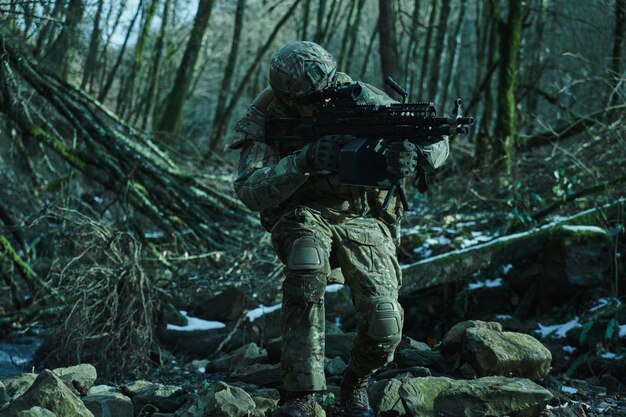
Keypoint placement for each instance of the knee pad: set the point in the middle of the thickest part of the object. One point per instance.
(385, 322)
(306, 254)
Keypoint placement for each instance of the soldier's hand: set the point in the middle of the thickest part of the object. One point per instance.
(401, 159)
(321, 155)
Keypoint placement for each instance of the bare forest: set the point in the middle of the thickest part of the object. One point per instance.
(120, 227)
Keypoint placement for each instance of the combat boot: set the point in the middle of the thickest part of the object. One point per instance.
(297, 404)
(354, 400)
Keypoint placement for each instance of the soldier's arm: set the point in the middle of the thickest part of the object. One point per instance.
(266, 180)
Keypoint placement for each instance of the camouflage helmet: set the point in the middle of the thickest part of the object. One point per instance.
(301, 69)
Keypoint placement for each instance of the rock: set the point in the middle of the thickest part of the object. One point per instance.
(84, 374)
(258, 374)
(109, 404)
(198, 342)
(265, 399)
(195, 406)
(385, 397)
(419, 394)
(243, 357)
(319, 411)
(48, 391)
(491, 352)
(423, 356)
(452, 340)
(167, 398)
(584, 254)
(493, 396)
(228, 401)
(17, 385)
(339, 345)
(4, 397)
(489, 396)
(413, 371)
(36, 412)
(226, 306)
(335, 366)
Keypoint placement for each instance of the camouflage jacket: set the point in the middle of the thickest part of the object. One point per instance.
(270, 182)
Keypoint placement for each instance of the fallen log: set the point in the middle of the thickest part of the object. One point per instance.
(458, 265)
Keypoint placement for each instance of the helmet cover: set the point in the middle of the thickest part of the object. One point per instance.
(301, 69)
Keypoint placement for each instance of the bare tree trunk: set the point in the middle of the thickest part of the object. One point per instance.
(109, 82)
(368, 52)
(47, 32)
(355, 34)
(344, 40)
(60, 52)
(412, 46)
(618, 40)
(306, 9)
(218, 118)
(454, 54)
(387, 43)
(440, 51)
(426, 49)
(505, 133)
(319, 28)
(126, 97)
(173, 112)
(150, 98)
(92, 52)
(253, 67)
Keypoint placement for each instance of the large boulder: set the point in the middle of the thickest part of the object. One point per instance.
(243, 357)
(505, 353)
(339, 345)
(493, 396)
(489, 396)
(48, 391)
(584, 254)
(109, 404)
(265, 399)
(453, 339)
(167, 398)
(225, 400)
(17, 385)
(82, 376)
(385, 399)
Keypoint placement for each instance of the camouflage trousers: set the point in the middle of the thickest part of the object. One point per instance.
(364, 249)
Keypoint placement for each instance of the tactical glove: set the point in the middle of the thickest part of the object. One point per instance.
(401, 159)
(321, 155)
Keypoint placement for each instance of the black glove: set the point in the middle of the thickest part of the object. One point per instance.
(401, 159)
(321, 155)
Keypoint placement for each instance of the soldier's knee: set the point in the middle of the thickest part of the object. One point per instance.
(385, 320)
(307, 269)
(307, 254)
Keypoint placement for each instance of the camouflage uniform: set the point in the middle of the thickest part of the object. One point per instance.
(318, 224)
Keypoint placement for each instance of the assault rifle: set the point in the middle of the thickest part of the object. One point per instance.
(373, 127)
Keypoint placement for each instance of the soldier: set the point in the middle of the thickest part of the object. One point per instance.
(318, 224)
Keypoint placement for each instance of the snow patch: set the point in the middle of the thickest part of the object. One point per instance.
(194, 323)
(488, 283)
(622, 330)
(594, 229)
(261, 310)
(504, 316)
(569, 349)
(603, 302)
(334, 287)
(611, 355)
(569, 390)
(559, 330)
(506, 269)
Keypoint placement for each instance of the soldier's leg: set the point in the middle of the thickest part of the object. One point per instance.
(369, 263)
(304, 247)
